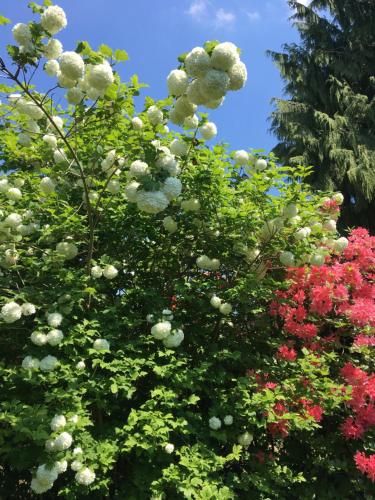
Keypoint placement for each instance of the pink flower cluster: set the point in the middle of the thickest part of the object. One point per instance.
(365, 464)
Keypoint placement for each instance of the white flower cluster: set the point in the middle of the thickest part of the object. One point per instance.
(101, 345)
(11, 311)
(67, 249)
(109, 272)
(224, 307)
(166, 166)
(215, 422)
(163, 330)
(204, 262)
(205, 80)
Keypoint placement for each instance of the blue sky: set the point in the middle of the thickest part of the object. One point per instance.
(155, 32)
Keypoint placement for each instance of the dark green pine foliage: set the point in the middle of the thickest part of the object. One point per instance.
(329, 119)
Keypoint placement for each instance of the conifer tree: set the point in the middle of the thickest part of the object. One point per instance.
(328, 119)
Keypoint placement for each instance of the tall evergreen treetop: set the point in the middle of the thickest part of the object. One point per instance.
(329, 119)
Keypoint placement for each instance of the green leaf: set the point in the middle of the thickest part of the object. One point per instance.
(105, 50)
(4, 20)
(121, 55)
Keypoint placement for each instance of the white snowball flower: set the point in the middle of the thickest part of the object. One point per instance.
(24, 139)
(4, 185)
(204, 262)
(80, 365)
(48, 363)
(316, 227)
(197, 62)
(170, 224)
(174, 340)
(340, 244)
(168, 162)
(177, 82)
(67, 249)
(191, 122)
(13, 220)
(85, 476)
(150, 318)
(208, 131)
(161, 330)
(101, 345)
(113, 186)
(39, 488)
(290, 210)
(100, 76)
(179, 147)
(137, 123)
(215, 301)
(38, 338)
(191, 205)
(110, 272)
(49, 445)
(241, 157)
(61, 466)
(194, 93)
(58, 422)
(52, 67)
(21, 33)
(28, 309)
(96, 272)
(287, 258)
(301, 234)
(214, 104)
(338, 198)
(29, 108)
(46, 475)
(228, 420)
(77, 451)
(32, 128)
(63, 441)
(76, 465)
(155, 115)
(11, 312)
(53, 19)
(224, 56)
(64, 81)
(225, 308)
(30, 363)
(14, 98)
(53, 49)
(260, 164)
(169, 448)
(214, 84)
(74, 95)
(50, 140)
(214, 423)
(58, 122)
(139, 168)
(152, 202)
(54, 337)
(59, 156)
(72, 65)
(131, 191)
(47, 186)
(14, 194)
(74, 419)
(54, 319)
(237, 76)
(245, 439)
(317, 259)
(184, 107)
(330, 225)
(172, 187)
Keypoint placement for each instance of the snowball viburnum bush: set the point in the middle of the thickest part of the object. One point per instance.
(159, 304)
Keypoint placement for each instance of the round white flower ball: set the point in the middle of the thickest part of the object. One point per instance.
(194, 93)
(241, 157)
(54, 337)
(63, 441)
(85, 476)
(59, 156)
(77, 451)
(170, 224)
(245, 439)
(224, 56)
(67, 249)
(228, 420)
(174, 340)
(28, 309)
(161, 330)
(197, 62)
(110, 272)
(47, 186)
(76, 465)
(214, 84)
(39, 488)
(113, 186)
(340, 244)
(184, 107)
(21, 33)
(214, 104)
(53, 19)
(290, 210)
(287, 258)
(50, 140)
(101, 345)
(172, 187)
(191, 205)
(152, 202)
(100, 76)
(138, 169)
(215, 301)
(30, 363)
(317, 259)
(13, 220)
(96, 272)
(14, 194)
(54, 319)
(131, 191)
(45, 475)
(58, 422)
(80, 365)
(53, 49)
(338, 198)
(225, 308)
(11, 312)
(179, 147)
(301, 234)
(155, 115)
(4, 185)
(38, 338)
(191, 122)
(330, 225)
(61, 466)
(48, 363)
(168, 162)
(137, 123)
(74, 419)
(64, 81)
(169, 448)
(237, 76)
(260, 164)
(208, 131)
(74, 95)
(177, 82)
(52, 67)
(214, 423)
